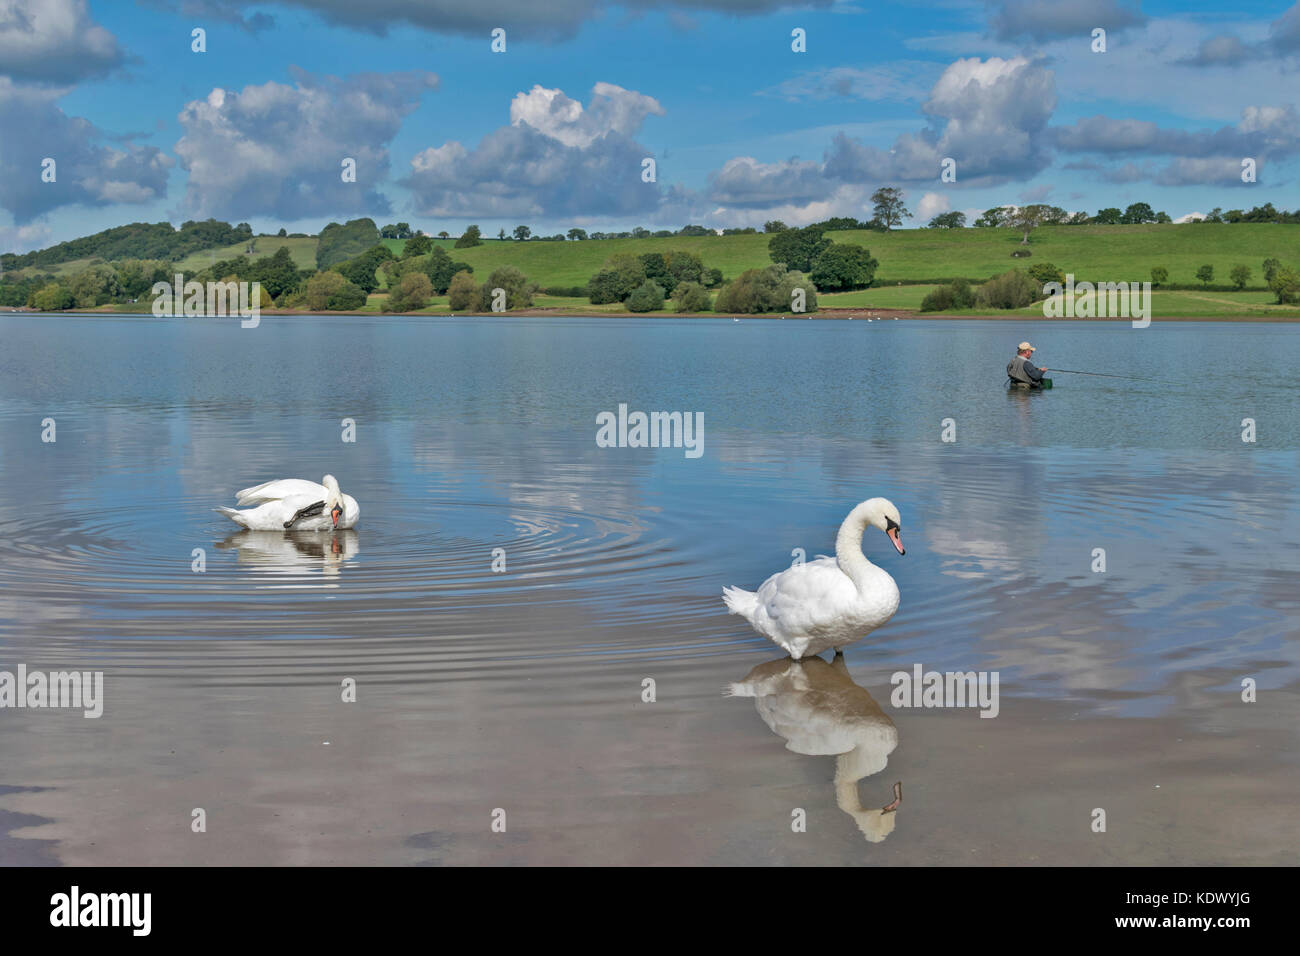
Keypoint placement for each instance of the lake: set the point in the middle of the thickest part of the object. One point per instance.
(531, 624)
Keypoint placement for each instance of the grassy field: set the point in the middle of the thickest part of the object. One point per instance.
(1092, 253)
(303, 252)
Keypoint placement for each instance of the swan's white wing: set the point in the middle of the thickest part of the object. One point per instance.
(280, 488)
(807, 598)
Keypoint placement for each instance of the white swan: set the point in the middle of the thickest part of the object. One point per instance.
(295, 504)
(819, 709)
(829, 602)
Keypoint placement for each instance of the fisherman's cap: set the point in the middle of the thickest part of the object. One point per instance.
(1025, 345)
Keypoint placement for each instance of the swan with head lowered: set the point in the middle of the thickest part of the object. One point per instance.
(829, 602)
(295, 504)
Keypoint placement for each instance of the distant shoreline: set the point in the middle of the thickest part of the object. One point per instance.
(838, 313)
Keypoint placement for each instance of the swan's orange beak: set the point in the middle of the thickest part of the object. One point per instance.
(334, 515)
(895, 537)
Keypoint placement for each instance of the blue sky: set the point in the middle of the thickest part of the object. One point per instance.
(551, 133)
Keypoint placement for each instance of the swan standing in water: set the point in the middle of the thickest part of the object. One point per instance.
(829, 602)
(818, 709)
(295, 504)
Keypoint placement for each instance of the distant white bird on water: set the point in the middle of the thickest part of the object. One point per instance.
(295, 504)
(829, 602)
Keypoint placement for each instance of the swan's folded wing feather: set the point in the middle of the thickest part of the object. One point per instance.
(806, 596)
(278, 489)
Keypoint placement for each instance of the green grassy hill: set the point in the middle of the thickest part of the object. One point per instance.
(1092, 253)
(303, 252)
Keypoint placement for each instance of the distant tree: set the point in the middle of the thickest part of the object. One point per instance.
(992, 218)
(1110, 216)
(519, 291)
(388, 232)
(842, 267)
(276, 273)
(1264, 213)
(1163, 217)
(404, 230)
(1138, 213)
(956, 295)
(94, 285)
(1026, 219)
(444, 234)
(647, 297)
(577, 234)
(52, 298)
(1011, 290)
(522, 232)
(1159, 275)
(462, 293)
(417, 246)
(1271, 265)
(774, 225)
(1205, 274)
(282, 233)
(712, 278)
(1045, 272)
(412, 292)
(766, 290)
(1215, 215)
(441, 270)
(1285, 284)
(470, 238)
(838, 223)
(691, 297)
(137, 276)
(360, 271)
(1234, 215)
(797, 248)
(501, 233)
(1079, 219)
(640, 232)
(338, 243)
(616, 280)
(695, 231)
(887, 205)
(948, 220)
(1240, 275)
(329, 290)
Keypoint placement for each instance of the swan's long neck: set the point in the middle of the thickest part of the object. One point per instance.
(848, 545)
(851, 767)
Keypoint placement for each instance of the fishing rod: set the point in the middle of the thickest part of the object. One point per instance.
(1131, 378)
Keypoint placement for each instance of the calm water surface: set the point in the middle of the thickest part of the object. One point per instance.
(523, 690)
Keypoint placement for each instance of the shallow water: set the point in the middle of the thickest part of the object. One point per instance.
(522, 690)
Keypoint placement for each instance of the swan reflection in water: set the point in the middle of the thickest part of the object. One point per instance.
(819, 710)
(293, 552)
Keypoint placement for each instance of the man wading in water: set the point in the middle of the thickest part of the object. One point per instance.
(1021, 371)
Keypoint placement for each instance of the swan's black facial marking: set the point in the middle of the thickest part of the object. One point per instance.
(893, 531)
